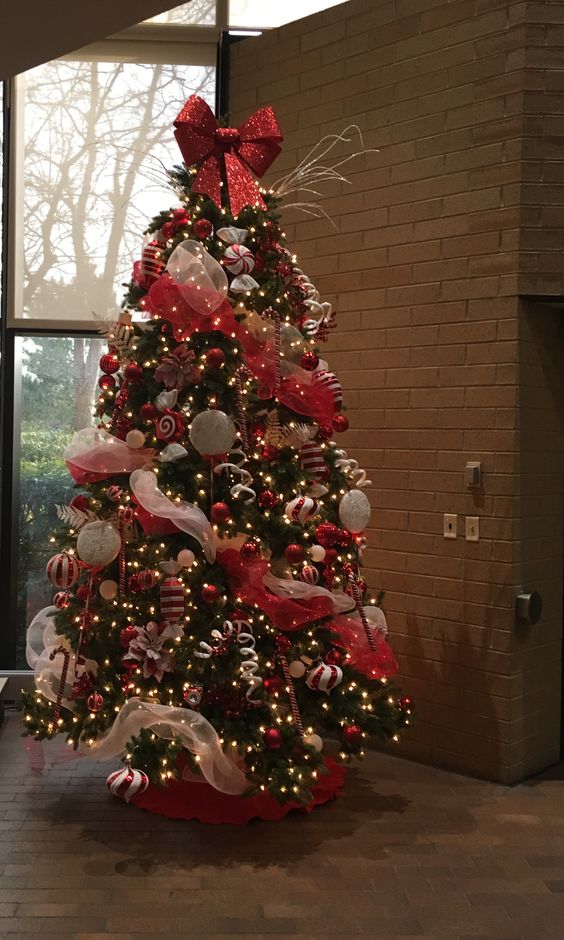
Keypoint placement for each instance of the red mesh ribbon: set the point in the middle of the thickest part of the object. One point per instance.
(376, 663)
(253, 146)
(245, 581)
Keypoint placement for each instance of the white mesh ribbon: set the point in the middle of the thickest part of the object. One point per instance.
(41, 641)
(194, 732)
(299, 590)
(185, 516)
(192, 266)
(95, 450)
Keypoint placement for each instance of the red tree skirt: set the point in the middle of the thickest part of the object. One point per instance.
(184, 799)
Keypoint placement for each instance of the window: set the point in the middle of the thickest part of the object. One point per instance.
(56, 378)
(97, 139)
(196, 12)
(256, 14)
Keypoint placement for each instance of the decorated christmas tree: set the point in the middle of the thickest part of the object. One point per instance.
(210, 621)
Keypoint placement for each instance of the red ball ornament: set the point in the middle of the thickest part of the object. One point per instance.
(282, 644)
(272, 738)
(62, 600)
(210, 593)
(324, 433)
(283, 269)
(127, 635)
(352, 735)
(270, 452)
(80, 502)
(146, 579)
(249, 552)
(294, 554)
(309, 361)
(109, 363)
(340, 423)
(330, 556)
(405, 703)
(220, 512)
(334, 658)
(133, 584)
(94, 702)
(133, 372)
(168, 231)
(148, 411)
(215, 357)
(203, 228)
(327, 534)
(106, 382)
(180, 216)
(267, 499)
(273, 685)
(83, 593)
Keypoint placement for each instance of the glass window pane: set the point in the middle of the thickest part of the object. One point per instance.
(58, 379)
(98, 140)
(195, 13)
(256, 14)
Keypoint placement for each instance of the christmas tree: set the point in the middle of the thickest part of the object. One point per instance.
(211, 620)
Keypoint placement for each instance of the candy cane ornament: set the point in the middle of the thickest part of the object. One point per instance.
(357, 597)
(62, 680)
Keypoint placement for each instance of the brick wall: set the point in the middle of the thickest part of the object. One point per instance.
(423, 271)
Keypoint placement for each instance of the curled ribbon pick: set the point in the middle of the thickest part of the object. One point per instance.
(350, 468)
(241, 487)
(228, 151)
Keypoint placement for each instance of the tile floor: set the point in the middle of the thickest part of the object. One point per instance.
(408, 851)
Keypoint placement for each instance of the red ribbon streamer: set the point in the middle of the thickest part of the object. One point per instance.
(228, 151)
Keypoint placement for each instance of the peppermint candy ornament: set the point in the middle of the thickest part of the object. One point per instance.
(323, 677)
(169, 426)
(62, 570)
(127, 782)
(301, 509)
(311, 460)
(309, 574)
(238, 259)
(329, 380)
(172, 599)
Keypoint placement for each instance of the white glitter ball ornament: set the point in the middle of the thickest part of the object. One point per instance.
(354, 511)
(98, 543)
(212, 432)
(238, 259)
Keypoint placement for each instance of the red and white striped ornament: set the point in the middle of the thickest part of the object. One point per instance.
(147, 579)
(311, 460)
(309, 574)
(301, 509)
(238, 259)
(329, 380)
(172, 599)
(152, 264)
(127, 782)
(323, 677)
(63, 570)
(114, 493)
(61, 600)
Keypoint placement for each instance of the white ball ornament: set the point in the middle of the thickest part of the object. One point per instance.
(212, 432)
(301, 509)
(354, 511)
(108, 590)
(98, 543)
(296, 669)
(317, 553)
(186, 558)
(323, 677)
(314, 741)
(238, 259)
(135, 439)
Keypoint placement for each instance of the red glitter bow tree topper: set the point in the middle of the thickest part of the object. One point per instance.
(253, 146)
